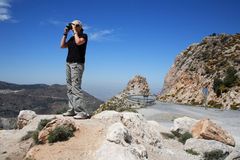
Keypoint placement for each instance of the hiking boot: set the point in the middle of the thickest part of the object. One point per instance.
(69, 113)
(81, 115)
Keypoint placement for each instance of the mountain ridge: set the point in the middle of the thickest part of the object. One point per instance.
(215, 63)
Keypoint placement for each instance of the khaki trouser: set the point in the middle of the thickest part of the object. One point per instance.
(74, 72)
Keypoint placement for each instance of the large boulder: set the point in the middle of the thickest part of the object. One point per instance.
(119, 139)
(204, 147)
(118, 134)
(206, 129)
(182, 125)
(110, 151)
(235, 154)
(24, 118)
(108, 116)
(44, 133)
(130, 134)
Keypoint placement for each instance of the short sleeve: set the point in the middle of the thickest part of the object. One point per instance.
(84, 36)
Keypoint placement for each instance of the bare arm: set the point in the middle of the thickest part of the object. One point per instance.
(63, 40)
(78, 41)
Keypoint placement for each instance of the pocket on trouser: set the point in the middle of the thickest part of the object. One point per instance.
(77, 71)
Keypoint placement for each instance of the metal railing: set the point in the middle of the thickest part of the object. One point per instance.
(142, 99)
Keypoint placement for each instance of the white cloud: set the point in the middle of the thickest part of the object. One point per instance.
(100, 35)
(4, 10)
(5, 3)
(60, 23)
(56, 22)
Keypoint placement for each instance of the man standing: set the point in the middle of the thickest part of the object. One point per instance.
(74, 69)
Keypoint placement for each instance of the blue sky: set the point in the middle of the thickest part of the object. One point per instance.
(126, 38)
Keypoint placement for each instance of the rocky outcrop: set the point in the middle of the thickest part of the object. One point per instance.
(212, 63)
(11, 144)
(137, 86)
(24, 118)
(234, 155)
(132, 137)
(106, 136)
(206, 129)
(44, 133)
(183, 125)
(202, 146)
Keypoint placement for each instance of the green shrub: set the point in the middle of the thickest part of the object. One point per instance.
(217, 86)
(176, 134)
(234, 106)
(60, 133)
(191, 151)
(35, 137)
(115, 104)
(127, 109)
(184, 137)
(214, 155)
(230, 77)
(167, 135)
(43, 123)
(27, 136)
(214, 104)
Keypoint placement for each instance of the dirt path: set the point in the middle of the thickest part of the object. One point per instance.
(165, 113)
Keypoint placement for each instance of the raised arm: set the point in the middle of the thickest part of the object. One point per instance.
(63, 40)
(78, 40)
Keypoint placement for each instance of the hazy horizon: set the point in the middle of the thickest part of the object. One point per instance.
(101, 92)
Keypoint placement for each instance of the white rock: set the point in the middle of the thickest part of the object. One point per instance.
(118, 134)
(202, 146)
(24, 118)
(183, 124)
(152, 133)
(112, 151)
(142, 131)
(235, 154)
(108, 116)
(139, 151)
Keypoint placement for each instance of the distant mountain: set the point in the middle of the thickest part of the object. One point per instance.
(215, 63)
(41, 98)
(12, 86)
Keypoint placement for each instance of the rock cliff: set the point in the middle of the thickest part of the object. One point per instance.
(213, 63)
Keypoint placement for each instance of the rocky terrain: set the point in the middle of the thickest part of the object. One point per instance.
(41, 98)
(214, 63)
(136, 86)
(118, 135)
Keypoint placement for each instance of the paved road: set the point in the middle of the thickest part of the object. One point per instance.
(165, 113)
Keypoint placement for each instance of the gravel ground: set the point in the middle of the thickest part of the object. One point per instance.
(165, 113)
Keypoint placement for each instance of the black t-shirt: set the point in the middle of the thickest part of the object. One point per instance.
(76, 53)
